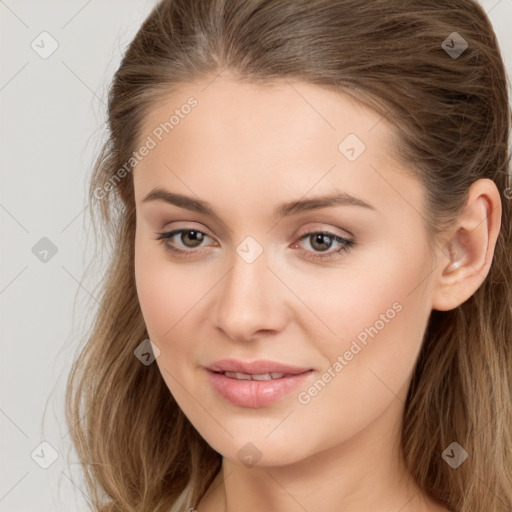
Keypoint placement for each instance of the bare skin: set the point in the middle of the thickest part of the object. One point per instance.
(214, 499)
(246, 149)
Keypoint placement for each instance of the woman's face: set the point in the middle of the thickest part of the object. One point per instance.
(255, 279)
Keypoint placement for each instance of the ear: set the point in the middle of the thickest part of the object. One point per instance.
(464, 261)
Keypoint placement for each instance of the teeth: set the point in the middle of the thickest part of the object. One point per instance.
(235, 375)
(263, 376)
(260, 376)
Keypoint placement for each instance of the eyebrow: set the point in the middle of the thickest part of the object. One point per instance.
(335, 198)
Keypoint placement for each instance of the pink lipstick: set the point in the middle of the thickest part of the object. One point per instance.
(257, 383)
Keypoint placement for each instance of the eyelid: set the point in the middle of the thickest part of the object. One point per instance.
(320, 228)
(189, 226)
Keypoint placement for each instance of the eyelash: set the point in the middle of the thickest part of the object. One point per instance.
(346, 244)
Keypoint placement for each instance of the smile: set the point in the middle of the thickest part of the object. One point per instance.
(255, 390)
(248, 376)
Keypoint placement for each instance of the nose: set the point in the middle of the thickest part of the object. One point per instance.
(251, 300)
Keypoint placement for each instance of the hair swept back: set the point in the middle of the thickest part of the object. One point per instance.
(137, 449)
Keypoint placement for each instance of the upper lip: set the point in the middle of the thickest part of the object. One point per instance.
(255, 367)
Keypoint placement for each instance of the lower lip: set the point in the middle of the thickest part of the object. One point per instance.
(255, 393)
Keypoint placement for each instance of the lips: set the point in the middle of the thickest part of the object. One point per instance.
(257, 383)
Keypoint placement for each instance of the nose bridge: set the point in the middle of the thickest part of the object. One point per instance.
(248, 300)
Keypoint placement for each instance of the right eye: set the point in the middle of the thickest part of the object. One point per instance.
(194, 236)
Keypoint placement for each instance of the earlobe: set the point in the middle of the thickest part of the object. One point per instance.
(466, 258)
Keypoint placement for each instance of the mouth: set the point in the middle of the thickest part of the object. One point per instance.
(255, 390)
(262, 369)
(259, 376)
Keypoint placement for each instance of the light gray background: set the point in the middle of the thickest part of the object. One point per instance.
(52, 125)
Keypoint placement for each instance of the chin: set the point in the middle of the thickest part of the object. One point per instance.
(251, 447)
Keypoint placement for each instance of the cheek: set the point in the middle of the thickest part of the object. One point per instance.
(377, 294)
(164, 306)
(379, 317)
(165, 292)
(153, 292)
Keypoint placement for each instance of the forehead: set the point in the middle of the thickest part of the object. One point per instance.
(291, 136)
(290, 110)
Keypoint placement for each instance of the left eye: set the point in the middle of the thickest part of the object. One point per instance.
(321, 238)
(196, 237)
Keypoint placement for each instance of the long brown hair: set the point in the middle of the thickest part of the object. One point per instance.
(452, 114)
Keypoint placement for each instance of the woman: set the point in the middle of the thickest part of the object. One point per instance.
(308, 301)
